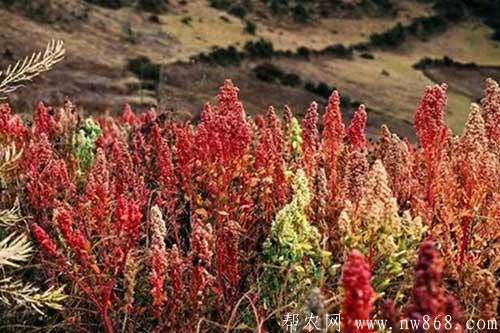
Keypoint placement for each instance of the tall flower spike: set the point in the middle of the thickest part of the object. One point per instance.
(429, 295)
(128, 116)
(428, 292)
(310, 137)
(98, 194)
(377, 203)
(264, 165)
(163, 163)
(429, 116)
(176, 266)
(293, 242)
(158, 257)
(355, 175)
(396, 158)
(224, 134)
(45, 122)
(75, 238)
(432, 132)
(183, 154)
(128, 218)
(49, 185)
(332, 141)
(129, 280)
(84, 143)
(274, 124)
(491, 110)
(295, 139)
(10, 126)
(45, 240)
(358, 293)
(474, 136)
(356, 130)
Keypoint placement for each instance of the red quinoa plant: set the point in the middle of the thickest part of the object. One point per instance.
(163, 226)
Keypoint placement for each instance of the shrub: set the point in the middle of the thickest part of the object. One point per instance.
(270, 73)
(238, 10)
(445, 61)
(291, 79)
(451, 9)
(303, 52)
(300, 14)
(423, 27)
(292, 246)
(338, 50)
(367, 56)
(144, 68)
(259, 49)
(222, 56)
(496, 35)
(250, 27)
(154, 6)
(393, 37)
(187, 20)
(322, 89)
(113, 4)
(276, 6)
(220, 4)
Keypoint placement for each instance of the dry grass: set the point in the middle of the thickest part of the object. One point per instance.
(324, 32)
(98, 49)
(398, 92)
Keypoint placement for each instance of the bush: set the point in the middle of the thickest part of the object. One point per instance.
(248, 5)
(222, 56)
(424, 26)
(238, 10)
(367, 56)
(113, 4)
(303, 52)
(154, 6)
(384, 5)
(250, 27)
(300, 14)
(276, 6)
(496, 35)
(144, 68)
(338, 50)
(260, 49)
(271, 73)
(64, 14)
(322, 89)
(220, 4)
(444, 62)
(187, 20)
(291, 79)
(451, 9)
(393, 37)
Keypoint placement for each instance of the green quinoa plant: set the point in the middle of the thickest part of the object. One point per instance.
(293, 256)
(84, 143)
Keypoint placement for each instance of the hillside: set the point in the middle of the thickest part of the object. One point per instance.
(101, 41)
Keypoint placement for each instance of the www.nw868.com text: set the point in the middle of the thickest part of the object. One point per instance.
(293, 322)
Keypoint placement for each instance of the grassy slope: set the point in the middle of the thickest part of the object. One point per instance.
(95, 74)
(323, 32)
(399, 92)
